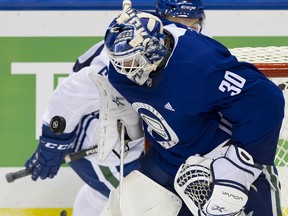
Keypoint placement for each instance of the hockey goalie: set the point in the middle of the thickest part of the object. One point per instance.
(193, 95)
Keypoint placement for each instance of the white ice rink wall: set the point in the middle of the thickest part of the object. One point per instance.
(29, 19)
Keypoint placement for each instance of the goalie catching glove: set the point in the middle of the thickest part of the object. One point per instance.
(217, 186)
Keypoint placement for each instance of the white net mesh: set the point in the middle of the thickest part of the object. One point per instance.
(270, 54)
(273, 61)
(195, 182)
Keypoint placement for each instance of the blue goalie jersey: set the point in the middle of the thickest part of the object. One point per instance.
(202, 97)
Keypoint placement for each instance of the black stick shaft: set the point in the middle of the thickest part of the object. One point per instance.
(12, 176)
(80, 154)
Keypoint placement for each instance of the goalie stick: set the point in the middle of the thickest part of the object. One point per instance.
(126, 4)
(12, 176)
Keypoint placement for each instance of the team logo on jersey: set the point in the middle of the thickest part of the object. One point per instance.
(156, 124)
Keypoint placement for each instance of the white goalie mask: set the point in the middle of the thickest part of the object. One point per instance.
(135, 44)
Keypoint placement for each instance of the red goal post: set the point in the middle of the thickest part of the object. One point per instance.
(273, 62)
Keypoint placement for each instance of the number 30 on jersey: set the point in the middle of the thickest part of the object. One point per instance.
(232, 83)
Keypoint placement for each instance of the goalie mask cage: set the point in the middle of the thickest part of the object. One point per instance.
(273, 62)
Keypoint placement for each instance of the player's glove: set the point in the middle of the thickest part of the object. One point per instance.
(47, 159)
(217, 186)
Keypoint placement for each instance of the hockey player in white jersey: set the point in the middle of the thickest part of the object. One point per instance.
(82, 124)
(78, 101)
(213, 122)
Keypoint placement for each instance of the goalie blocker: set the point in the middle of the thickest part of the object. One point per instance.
(113, 109)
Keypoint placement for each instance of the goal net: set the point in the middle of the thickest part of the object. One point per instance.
(273, 62)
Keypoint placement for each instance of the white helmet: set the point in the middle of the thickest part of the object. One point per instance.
(135, 44)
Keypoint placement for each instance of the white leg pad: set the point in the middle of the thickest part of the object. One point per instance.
(142, 197)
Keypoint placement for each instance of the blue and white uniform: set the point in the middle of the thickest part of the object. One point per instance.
(77, 100)
(202, 97)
